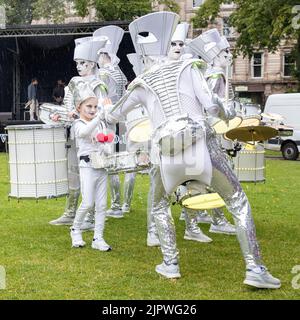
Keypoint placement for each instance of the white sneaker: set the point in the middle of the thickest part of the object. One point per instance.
(169, 271)
(63, 220)
(196, 236)
(125, 208)
(203, 217)
(86, 226)
(76, 236)
(259, 277)
(114, 213)
(100, 244)
(226, 228)
(152, 240)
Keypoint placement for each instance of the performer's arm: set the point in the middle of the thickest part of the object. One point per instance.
(128, 102)
(85, 130)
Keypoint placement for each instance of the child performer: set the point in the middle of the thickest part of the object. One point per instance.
(93, 181)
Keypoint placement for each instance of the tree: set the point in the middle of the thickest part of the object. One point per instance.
(17, 11)
(261, 24)
(110, 10)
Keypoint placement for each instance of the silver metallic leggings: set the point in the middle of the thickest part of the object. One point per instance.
(225, 182)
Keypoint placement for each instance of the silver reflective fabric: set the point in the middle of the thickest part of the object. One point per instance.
(114, 182)
(161, 214)
(225, 182)
(128, 187)
(72, 203)
(163, 81)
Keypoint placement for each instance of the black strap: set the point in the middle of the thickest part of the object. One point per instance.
(85, 158)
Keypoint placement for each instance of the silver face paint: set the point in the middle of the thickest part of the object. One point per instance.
(176, 50)
(84, 67)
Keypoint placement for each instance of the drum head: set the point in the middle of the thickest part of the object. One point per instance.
(224, 126)
(204, 201)
(141, 132)
(250, 121)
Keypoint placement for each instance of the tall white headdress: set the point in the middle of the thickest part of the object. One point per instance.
(136, 62)
(181, 32)
(114, 35)
(151, 34)
(208, 45)
(82, 91)
(87, 48)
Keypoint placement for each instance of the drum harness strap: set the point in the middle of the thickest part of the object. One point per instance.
(85, 158)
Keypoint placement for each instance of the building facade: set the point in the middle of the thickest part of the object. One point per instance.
(255, 78)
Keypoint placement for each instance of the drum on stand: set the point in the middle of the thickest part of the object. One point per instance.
(249, 164)
(251, 116)
(37, 161)
(222, 126)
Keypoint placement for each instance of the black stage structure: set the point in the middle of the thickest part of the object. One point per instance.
(44, 52)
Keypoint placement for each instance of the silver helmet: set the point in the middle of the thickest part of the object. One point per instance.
(208, 45)
(87, 49)
(114, 35)
(151, 34)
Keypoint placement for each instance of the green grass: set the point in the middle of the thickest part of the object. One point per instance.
(40, 263)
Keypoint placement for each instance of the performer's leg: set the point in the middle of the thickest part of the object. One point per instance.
(152, 234)
(74, 188)
(165, 227)
(225, 182)
(100, 211)
(128, 190)
(192, 230)
(220, 224)
(116, 210)
(88, 181)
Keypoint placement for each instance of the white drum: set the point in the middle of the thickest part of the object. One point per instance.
(249, 164)
(222, 126)
(48, 109)
(252, 115)
(138, 125)
(121, 162)
(37, 161)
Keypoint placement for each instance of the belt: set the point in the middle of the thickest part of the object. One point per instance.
(85, 158)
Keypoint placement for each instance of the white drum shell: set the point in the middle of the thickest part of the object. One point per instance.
(249, 165)
(37, 161)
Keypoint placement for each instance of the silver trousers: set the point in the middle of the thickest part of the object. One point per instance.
(114, 181)
(225, 182)
(128, 187)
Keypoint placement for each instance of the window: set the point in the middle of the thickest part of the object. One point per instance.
(257, 65)
(226, 27)
(197, 3)
(288, 64)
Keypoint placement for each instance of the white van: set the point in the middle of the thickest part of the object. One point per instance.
(288, 106)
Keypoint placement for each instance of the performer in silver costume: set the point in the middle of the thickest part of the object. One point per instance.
(218, 57)
(134, 117)
(176, 98)
(192, 230)
(85, 56)
(116, 81)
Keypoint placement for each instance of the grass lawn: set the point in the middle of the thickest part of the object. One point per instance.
(40, 263)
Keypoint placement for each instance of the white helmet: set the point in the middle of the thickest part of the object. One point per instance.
(181, 31)
(151, 34)
(87, 49)
(208, 45)
(114, 35)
